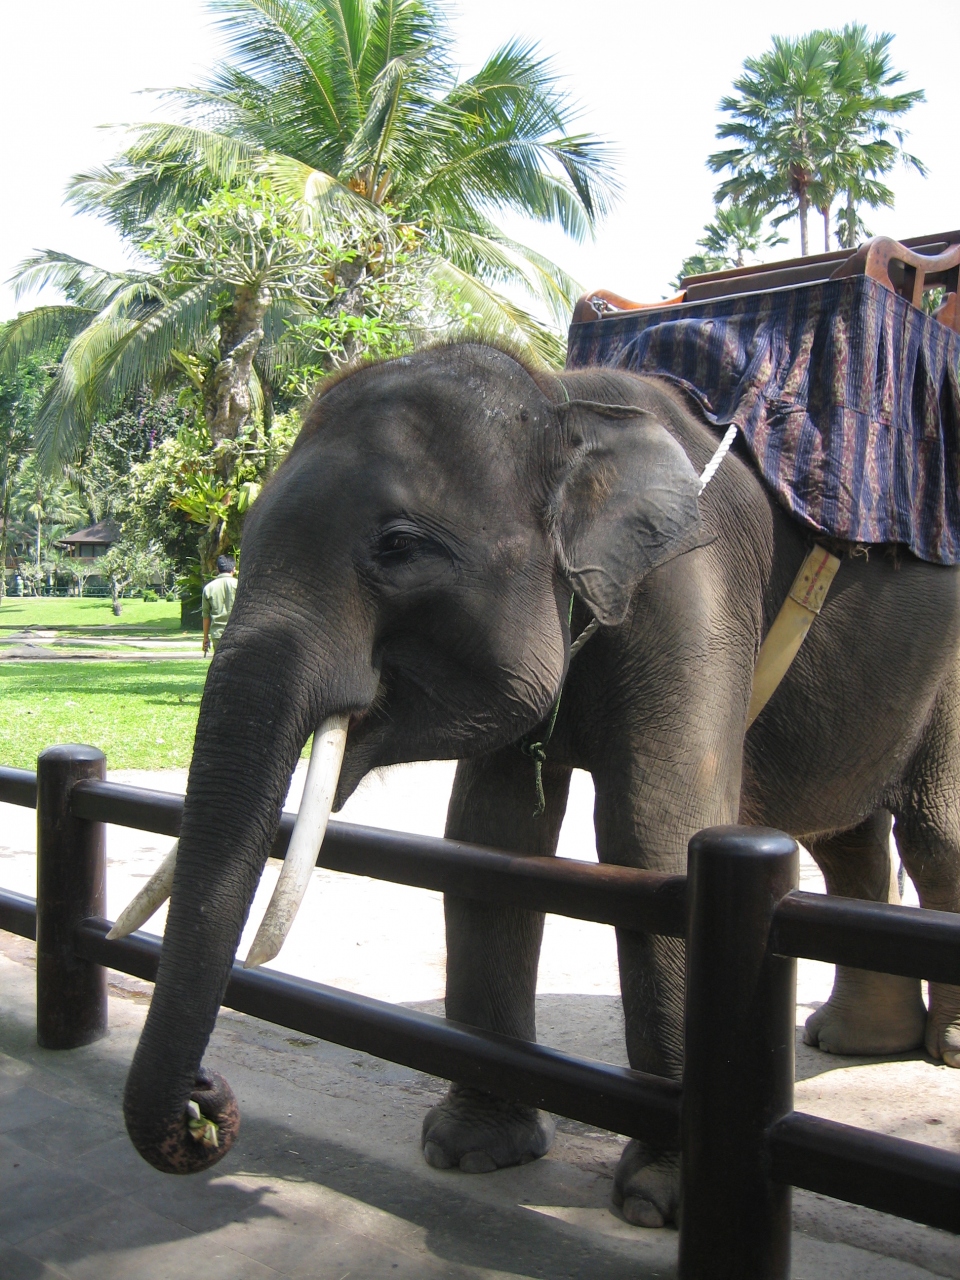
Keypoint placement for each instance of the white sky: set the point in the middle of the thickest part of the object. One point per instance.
(648, 79)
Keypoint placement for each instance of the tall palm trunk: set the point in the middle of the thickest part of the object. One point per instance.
(850, 229)
(804, 205)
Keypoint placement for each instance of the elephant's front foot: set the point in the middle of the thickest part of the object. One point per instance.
(943, 1024)
(646, 1185)
(869, 1014)
(477, 1133)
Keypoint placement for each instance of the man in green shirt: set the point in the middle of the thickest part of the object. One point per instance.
(218, 597)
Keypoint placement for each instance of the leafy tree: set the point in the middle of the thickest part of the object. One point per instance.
(184, 499)
(735, 234)
(812, 117)
(119, 441)
(43, 509)
(81, 569)
(21, 391)
(356, 108)
(231, 280)
(128, 565)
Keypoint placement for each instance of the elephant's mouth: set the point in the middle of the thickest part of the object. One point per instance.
(433, 711)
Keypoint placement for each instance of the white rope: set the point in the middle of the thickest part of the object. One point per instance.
(710, 470)
(583, 637)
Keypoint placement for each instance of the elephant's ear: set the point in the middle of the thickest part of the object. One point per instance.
(626, 502)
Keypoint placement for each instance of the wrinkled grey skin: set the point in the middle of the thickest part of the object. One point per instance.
(411, 565)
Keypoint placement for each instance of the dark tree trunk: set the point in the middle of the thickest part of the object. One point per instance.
(226, 390)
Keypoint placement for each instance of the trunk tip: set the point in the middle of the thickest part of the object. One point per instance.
(199, 1136)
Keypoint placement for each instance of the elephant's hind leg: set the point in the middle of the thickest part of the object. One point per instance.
(492, 958)
(928, 835)
(867, 1013)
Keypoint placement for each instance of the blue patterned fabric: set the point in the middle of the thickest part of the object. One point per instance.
(847, 397)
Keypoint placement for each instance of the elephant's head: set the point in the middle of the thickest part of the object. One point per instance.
(405, 583)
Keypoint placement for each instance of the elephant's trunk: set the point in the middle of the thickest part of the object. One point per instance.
(258, 708)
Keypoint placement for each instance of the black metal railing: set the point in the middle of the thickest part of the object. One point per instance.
(742, 1144)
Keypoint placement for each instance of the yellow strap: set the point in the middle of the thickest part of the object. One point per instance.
(790, 627)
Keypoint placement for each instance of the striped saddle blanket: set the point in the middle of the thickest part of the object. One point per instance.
(846, 395)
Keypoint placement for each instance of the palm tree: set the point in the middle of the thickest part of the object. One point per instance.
(346, 121)
(865, 141)
(354, 106)
(736, 233)
(814, 117)
(778, 120)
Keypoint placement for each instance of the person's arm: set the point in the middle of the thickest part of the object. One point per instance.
(205, 610)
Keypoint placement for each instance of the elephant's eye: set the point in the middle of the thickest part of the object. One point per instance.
(394, 546)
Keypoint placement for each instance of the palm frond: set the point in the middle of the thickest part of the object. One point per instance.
(165, 166)
(83, 283)
(284, 43)
(498, 259)
(327, 203)
(407, 30)
(501, 319)
(41, 329)
(126, 346)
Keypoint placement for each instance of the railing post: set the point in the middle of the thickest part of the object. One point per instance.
(71, 885)
(739, 1027)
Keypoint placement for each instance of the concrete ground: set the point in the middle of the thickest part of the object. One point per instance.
(327, 1179)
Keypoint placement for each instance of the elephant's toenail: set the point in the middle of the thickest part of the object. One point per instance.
(952, 1057)
(642, 1213)
(436, 1157)
(477, 1162)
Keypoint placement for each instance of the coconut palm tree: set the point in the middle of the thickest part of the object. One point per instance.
(344, 123)
(355, 107)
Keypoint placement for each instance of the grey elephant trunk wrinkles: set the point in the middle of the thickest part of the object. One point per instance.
(253, 722)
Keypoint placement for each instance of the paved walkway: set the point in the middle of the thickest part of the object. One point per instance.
(38, 644)
(327, 1180)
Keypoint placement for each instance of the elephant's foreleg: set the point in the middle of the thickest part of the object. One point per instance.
(867, 1013)
(646, 1182)
(492, 957)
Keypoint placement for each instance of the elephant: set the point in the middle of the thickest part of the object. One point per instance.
(410, 580)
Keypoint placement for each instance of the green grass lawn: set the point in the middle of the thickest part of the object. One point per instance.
(93, 617)
(142, 714)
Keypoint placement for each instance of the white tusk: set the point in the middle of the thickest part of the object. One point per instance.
(150, 898)
(323, 773)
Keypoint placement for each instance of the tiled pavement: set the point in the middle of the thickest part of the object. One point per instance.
(327, 1180)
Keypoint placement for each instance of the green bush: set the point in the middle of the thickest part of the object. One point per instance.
(150, 597)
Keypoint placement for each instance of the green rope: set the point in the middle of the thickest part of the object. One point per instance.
(537, 750)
